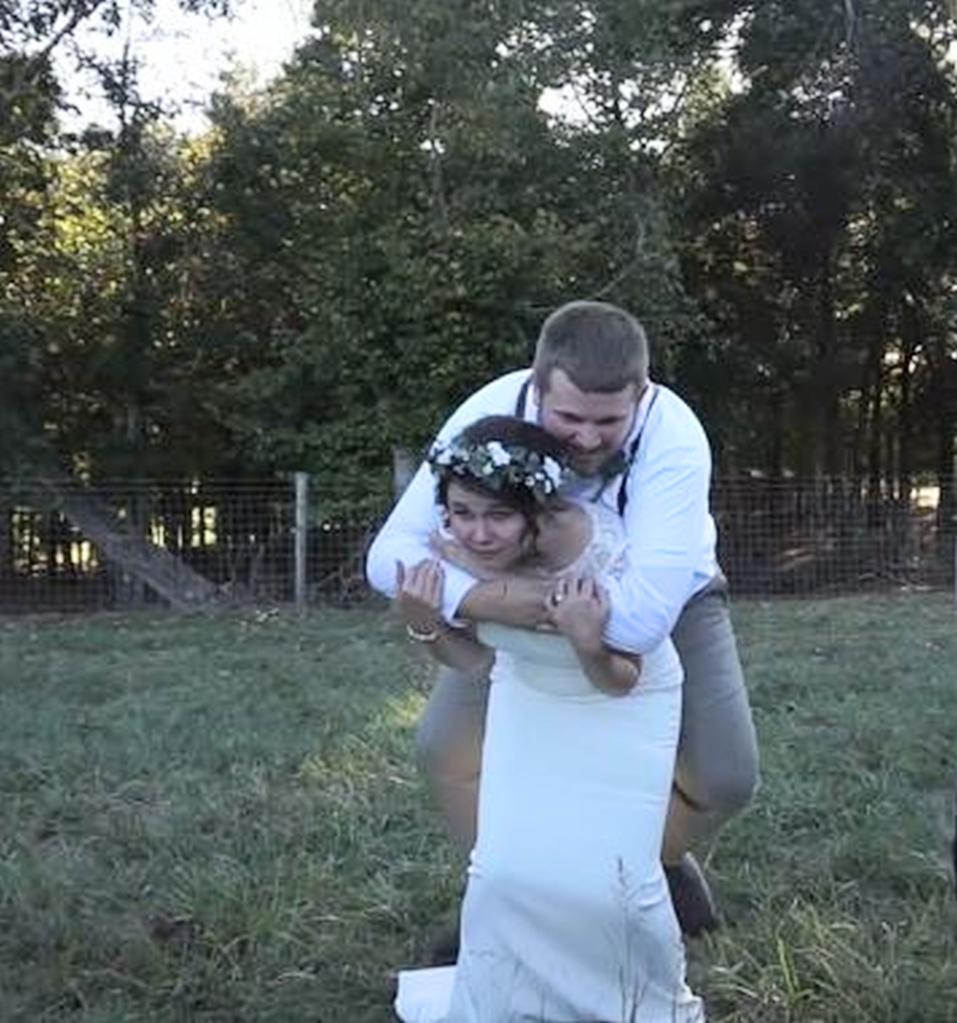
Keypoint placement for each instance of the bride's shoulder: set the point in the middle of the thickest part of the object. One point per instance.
(583, 536)
(605, 522)
(606, 547)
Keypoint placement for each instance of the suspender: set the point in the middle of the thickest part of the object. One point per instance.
(632, 452)
(521, 403)
(522, 400)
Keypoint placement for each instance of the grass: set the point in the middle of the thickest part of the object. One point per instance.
(220, 820)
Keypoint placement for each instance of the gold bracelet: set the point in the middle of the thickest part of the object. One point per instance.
(423, 636)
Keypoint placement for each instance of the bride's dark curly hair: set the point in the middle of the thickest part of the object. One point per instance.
(527, 483)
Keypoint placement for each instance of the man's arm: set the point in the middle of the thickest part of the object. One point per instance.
(670, 540)
(509, 600)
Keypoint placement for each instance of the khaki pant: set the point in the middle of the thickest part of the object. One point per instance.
(717, 767)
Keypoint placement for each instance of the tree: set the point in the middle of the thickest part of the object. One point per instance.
(400, 198)
(85, 275)
(812, 197)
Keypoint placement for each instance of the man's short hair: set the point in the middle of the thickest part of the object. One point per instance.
(599, 347)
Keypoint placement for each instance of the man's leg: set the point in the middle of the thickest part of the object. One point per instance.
(717, 767)
(449, 749)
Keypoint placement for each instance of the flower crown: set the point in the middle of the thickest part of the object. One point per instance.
(496, 465)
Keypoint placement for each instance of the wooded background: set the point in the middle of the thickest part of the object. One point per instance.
(319, 277)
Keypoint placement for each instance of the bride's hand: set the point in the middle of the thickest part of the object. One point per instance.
(419, 595)
(578, 607)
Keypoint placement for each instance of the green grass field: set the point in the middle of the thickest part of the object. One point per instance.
(220, 820)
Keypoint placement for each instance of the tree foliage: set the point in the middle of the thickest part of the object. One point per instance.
(822, 226)
(350, 251)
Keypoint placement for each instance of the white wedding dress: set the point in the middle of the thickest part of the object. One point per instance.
(566, 916)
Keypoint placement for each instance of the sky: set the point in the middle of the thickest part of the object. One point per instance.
(184, 55)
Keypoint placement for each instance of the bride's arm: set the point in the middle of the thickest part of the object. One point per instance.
(609, 670)
(418, 604)
(579, 608)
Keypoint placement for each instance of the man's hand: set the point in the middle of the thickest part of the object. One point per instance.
(419, 595)
(579, 608)
(512, 600)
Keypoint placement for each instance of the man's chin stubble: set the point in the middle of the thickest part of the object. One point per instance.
(588, 467)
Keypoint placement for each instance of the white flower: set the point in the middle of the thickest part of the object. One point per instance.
(552, 470)
(442, 455)
(488, 469)
(497, 453)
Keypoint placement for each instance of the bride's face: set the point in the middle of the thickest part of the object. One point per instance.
(489, 529)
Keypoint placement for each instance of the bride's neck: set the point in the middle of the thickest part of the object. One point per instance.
(563, 533)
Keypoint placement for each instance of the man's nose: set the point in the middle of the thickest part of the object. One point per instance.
(587, 438)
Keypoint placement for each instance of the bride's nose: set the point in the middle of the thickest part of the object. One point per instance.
(480, 532)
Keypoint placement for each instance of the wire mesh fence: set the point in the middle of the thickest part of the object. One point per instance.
(119, 545)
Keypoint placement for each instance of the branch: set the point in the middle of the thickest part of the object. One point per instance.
(850, 22)
(438, 181)
(30, 69)
(629, 268)
(79, 14)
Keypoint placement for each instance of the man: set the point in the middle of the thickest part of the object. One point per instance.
(636, 446)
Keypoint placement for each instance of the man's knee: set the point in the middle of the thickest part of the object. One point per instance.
(732, 791)
(444, 754)
(724, 789)
(431, 747)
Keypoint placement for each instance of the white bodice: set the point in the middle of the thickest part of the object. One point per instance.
(546, 660)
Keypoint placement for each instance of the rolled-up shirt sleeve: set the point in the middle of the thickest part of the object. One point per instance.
(669, 553)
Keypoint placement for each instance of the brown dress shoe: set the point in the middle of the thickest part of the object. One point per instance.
(444, 950)
(691, 897)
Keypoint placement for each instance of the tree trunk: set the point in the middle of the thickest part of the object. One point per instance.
(911, 339)
(944, 398)
(6, 537)
(875, 427)
(829, 418)
(404, 466)
(947, 504)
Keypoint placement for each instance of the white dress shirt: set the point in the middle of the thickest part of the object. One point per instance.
(671, 534)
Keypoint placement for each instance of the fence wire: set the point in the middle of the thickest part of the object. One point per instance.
(119, 545)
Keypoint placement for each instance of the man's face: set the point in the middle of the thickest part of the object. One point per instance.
(594, 424)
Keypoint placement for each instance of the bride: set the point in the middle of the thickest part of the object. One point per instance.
(567, 916)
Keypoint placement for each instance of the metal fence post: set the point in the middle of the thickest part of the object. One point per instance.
(404, 464)
(301, 535)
